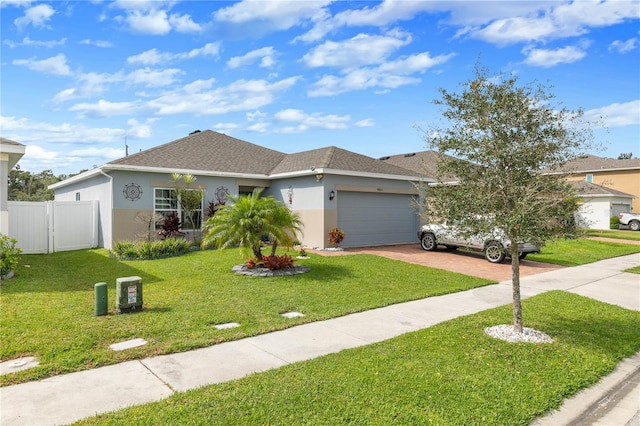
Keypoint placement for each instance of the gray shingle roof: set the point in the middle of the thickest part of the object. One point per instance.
(210, 151)
(593, 163)
(587, 188)
(10, 142)
(338, 159)
(216, 152)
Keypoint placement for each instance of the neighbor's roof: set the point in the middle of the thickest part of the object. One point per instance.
(15, 150)
(206, 151)
(585, 188)
(423, 162)
(337, 159)
(592, 163)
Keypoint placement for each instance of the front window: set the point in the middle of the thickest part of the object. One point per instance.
(188, 209)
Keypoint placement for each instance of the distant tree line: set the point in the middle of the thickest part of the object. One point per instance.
(26, 186)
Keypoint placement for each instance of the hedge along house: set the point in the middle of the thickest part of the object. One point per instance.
(370, 200)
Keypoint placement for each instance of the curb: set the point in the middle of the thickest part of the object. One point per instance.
(591, 404)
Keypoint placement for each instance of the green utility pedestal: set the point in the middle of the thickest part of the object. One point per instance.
(101, 299)
(128, 294)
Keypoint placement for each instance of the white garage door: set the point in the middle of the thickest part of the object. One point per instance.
(370, 219)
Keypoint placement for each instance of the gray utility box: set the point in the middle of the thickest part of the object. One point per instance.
(128, 294)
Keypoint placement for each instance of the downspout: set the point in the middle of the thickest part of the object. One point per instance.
(108, 243)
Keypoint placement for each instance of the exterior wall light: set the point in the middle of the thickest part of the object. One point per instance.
(319, 177)
(332, 195)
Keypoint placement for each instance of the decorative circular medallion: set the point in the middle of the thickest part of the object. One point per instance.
(132, 191)
(221, 194)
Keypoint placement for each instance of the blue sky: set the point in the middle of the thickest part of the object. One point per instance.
(79, 78)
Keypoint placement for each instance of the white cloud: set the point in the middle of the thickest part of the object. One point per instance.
(261, 127)
(367, 122)
(56, 65)
(97, 43)
(616, 114)
(389, 75)
(360, 50)
(277, 15)
(624, 46)
(226, 128)
(310, 121)
(265, 55)
(104, 109)
(184, 24)
(33, 132)
(550, 57)
(553, 21)
(241, 95)
(35, 43)
(153, 78)
(15, 3)
(153, 56)
(154, 22)
(255, 116)
(37, 16)
(383, 14)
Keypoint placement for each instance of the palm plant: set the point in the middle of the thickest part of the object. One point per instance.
(247, 219)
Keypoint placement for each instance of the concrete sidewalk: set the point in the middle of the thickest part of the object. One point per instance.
(67, 398)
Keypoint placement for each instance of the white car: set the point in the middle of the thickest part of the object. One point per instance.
(630, 221)
(495, 246)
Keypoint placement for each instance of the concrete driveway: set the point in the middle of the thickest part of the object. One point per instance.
(462, 261)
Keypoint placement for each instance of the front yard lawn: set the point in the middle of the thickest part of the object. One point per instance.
(581, 251)
(448, 374)
(47, 309)
(614, 233)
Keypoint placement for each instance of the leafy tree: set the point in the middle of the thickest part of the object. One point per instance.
(190, 199)
(499, 138)
(25, 186)
(247, 219)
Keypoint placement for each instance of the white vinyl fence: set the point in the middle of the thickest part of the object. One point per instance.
(45, 227)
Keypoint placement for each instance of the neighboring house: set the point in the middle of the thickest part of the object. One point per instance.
(607, 187)
(599, 203)
(619, 175)
(10, 153)
(370, 200)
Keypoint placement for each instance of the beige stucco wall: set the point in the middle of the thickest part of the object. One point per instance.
(624, 180)
(314, 235)
(126, 227)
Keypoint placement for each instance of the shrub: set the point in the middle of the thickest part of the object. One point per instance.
(277, 262)
(273, 263)
(336, 235)
(128, 250)
(171, 226)
(614, 222)
(9, 254)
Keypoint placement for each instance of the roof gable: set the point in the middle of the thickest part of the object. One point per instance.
(585, 188)
(207, 150)
(337, 159)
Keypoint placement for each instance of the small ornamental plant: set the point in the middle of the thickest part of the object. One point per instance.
(336, 235)
(9, 255)
(273, 263)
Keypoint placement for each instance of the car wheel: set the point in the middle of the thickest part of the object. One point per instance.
(428, 242)
(634, 225)
(521, 256)
(494, 252)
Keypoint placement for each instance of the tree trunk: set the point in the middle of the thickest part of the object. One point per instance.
(515, 280)
(274, 246)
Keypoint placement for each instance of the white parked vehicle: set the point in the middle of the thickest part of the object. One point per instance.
(495, 246)
(630, 220)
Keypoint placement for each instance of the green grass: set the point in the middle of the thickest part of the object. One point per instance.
(634, 270)
(617, 234)
(581, 251)
(448, 374)
(47, 309)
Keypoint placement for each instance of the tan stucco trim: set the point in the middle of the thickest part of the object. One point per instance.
(314, 235)
(357, 188)
(253, 182)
